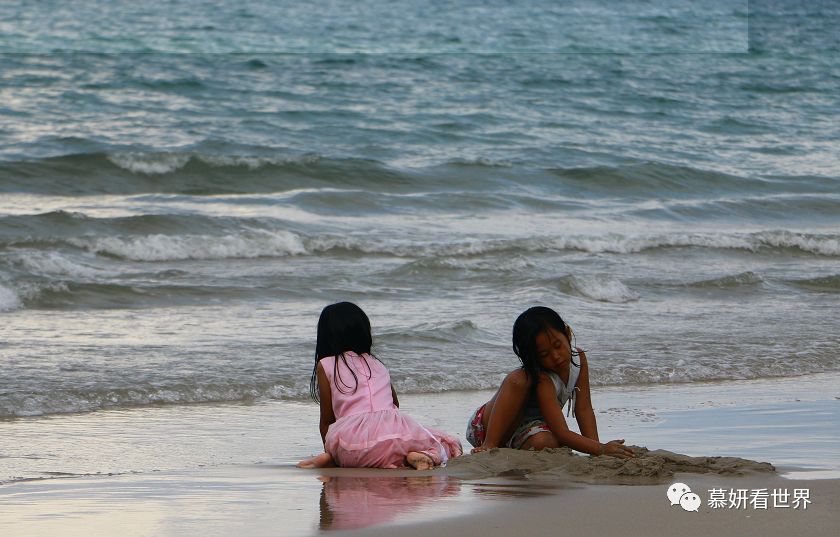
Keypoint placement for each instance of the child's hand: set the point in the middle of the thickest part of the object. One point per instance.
(481, 448)
(616, 448)
(581, 352)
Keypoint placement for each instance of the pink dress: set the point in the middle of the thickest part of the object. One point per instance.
(369, 430)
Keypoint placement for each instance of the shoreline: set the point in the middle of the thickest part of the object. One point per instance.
(280, 500)
(211, 469)
(791, 424)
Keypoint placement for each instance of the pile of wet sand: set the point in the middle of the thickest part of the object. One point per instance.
(646, 468)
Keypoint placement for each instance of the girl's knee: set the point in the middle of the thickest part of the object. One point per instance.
(541, 441)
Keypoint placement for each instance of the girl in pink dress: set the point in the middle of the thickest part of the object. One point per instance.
(361, 423)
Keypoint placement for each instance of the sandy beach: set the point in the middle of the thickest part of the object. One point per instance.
(757, 435)
(271, 500)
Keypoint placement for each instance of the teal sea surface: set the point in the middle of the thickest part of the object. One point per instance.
(183, 189)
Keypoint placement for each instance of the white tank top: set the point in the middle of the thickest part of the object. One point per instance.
(566, 393)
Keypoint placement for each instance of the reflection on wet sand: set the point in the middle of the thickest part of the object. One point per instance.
(354, 502)
(359, 502)
(524, 489)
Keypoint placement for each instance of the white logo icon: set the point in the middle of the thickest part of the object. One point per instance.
(680, 494)
(690, 502)
(675, 491)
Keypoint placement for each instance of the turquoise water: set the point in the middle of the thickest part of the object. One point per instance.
(183, 189)
(371, 26)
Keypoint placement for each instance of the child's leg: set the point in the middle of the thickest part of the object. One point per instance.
(324, 460)
(540, 441)
(533, 434)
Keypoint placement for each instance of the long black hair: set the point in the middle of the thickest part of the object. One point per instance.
(531, 323)
(342, 327)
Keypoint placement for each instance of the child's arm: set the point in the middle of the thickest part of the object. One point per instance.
(505, 409)
(583, 402)
(325, 396)
(553, 413)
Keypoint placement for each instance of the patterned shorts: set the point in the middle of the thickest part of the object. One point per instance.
(475, 429)
(526, 430)
(476, 432)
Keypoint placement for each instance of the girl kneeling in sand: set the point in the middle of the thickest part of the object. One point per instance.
(361, 424)
(527, 410)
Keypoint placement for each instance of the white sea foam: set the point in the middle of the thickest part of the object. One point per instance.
(255, 162)
(416, 248)
(150, 163)
(616, 243)
(254, 243)
(54, 263)
(31, 291)
(443, 253)
(809, 243)
(163, 163)
(14, 297)
(73, 400)
(9, 299)
(626, 244)
(602, 288)
(605, 243)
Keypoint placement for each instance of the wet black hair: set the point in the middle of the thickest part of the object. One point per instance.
(342, 327)
(531, 323)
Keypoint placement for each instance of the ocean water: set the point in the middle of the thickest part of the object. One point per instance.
(182, 192)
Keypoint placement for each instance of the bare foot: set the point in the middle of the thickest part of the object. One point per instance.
(318, 461)
(419, 461)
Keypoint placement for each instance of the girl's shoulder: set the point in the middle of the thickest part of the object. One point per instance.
(548, 384)
(518, 377)
(326, 360)
(550, 377)
(326, 365)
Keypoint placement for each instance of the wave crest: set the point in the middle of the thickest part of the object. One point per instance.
(166, 163)
(9, 299)
(601, 288)
(68, 401)
(256, 243)
(731, 281)
(149, 163)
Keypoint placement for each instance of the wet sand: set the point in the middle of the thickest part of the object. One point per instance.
(540, 490)
(562, 464)
(229, 470)
(641, 511)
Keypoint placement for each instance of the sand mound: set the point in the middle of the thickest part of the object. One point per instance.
(647, 467)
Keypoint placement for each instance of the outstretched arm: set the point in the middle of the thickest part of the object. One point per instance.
(325, 396)
(550, 408)
(583, 402)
